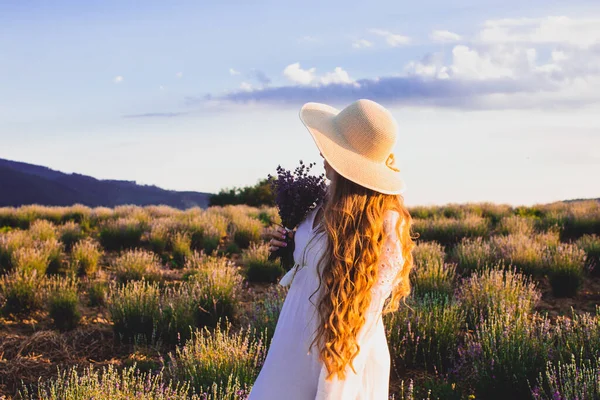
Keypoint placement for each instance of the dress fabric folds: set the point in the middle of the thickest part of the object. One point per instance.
(291, 370)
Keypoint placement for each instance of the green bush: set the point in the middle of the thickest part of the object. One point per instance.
(85, 256)
(121, 234)
(504, 354)
(20, 292)
(591, 245)
(426, 336)
(97, 293)
(135, 311)
(449, 231)
(109, 382)
(431, 275)
(496, 290)
(213, 356)
(180, 246)
(63, 303)
(565, 267)
(70, 233)
(137, 264)
(572, 380)
(9, 243)
(221, 285)
(521, 251)
(472, 254)
(265, 312)
(258, 267)
(577, 334)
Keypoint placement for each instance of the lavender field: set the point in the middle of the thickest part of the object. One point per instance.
(158, 303)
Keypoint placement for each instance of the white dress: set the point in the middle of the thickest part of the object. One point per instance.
(290, 370)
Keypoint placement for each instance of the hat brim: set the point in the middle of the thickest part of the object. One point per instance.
(319, 119)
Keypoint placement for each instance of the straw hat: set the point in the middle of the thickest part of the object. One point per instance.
(357, 142)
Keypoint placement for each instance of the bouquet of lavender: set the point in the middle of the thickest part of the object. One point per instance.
(295, 195)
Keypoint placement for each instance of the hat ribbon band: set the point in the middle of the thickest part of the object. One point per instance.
(391, 163)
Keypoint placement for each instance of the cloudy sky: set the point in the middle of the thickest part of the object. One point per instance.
(496, 100)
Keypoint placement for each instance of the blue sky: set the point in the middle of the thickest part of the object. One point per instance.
(495, 101)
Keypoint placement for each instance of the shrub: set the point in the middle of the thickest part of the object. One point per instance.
(158, 236)
(431, 275)
(258, 267)
(29, 259)
(565, 267)
(42, 230)
(426, 336)
(108, 382)
(70, 233)
(472, 254)
(55, 253)
(9, 243)
(572, 380)
(205, 229)
(137, 264)
(591, 245)
(246, 230)
(120, 234)
(20, 292)
(135, 310)
(582, 218)
(221, 284)
(449, 231)
(266, 310)
(516, 224)
(77, 213)
(85, 256)
(503, 355)
(521, 251)
(142, 312)
(180, 244)
(97, 293)
(214, 356)
(63, 303)
(578, 335)
(496, 290)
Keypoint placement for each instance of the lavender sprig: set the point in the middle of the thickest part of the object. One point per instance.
(296, 194)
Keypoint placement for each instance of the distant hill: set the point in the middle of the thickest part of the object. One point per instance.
(22, 184)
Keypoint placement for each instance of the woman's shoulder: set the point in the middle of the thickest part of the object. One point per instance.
(390, 219)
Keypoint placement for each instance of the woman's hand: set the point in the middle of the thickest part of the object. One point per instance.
(278, 236)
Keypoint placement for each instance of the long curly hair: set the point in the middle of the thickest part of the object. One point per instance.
(353, 218)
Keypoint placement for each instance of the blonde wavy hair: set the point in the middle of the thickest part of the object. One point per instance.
(353, 218)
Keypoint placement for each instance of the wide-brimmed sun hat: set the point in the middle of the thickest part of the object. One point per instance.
(357, 142)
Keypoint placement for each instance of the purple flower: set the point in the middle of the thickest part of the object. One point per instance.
(296, 194)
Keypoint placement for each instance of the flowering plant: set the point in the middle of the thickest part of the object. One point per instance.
(296, 194)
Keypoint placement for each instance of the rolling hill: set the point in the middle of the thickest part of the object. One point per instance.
(22, 183)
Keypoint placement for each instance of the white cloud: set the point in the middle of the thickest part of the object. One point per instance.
(118, 79)
(233, 71)
(361, 43)
(246, 86)
(392, 39)
(337, 76)
(296, 74)
(470, 64)
(179, 75)
(583, 32)
(441, 36)
(510, 64)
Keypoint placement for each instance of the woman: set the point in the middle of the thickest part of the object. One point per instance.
(352, 252)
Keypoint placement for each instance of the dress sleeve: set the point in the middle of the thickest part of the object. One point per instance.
(390, 263)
